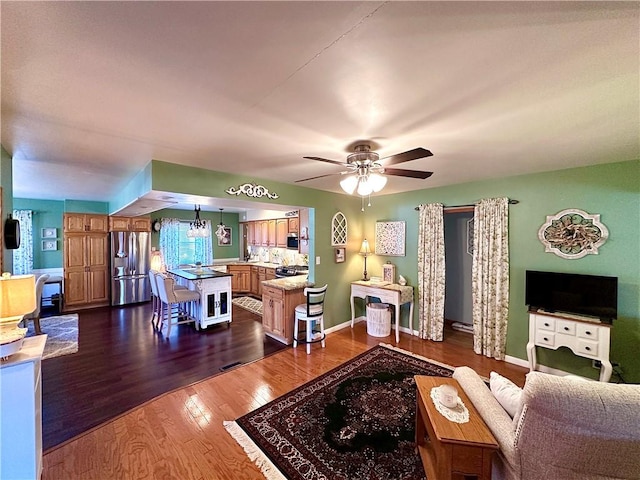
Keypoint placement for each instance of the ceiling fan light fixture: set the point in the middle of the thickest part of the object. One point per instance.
(377, 181)
(349, 184)
(364, 187)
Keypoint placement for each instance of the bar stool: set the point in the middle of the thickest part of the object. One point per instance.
(171, 296)
(310, 312)
(156, 303)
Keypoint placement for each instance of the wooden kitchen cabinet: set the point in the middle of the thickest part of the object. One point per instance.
(278, 306)
(129, 224)
(86, 270)
(251, 238)
(271, 236)
(241, 280)
(282, 231)
(293, 225)
(264, 232)
(85, 222)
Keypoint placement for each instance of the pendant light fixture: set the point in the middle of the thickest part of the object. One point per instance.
(221, 230)
(198, 228)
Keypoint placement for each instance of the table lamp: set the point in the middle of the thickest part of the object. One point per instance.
(17, 298)
(157, 262)
(365, 252)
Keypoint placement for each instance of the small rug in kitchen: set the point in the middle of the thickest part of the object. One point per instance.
(62, 332)
(248, 303)
(355, 421)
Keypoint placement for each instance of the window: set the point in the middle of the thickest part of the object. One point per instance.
(186, 245)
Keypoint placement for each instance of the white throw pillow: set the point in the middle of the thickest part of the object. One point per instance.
(506, 392)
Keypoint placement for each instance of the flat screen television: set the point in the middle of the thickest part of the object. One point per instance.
(588, 295)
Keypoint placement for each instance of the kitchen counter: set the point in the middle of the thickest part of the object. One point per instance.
(289, 283)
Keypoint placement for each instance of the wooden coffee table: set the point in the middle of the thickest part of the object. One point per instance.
(447, 448)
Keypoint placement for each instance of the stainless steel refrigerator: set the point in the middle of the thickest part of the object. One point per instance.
(130, 263)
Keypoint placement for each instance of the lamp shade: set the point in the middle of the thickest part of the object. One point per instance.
(364, 249)
(349, 184)
(17, 295)
(156, 260)
(377, 181)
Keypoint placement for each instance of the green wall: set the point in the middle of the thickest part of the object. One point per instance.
(611, 190)
(46, 214)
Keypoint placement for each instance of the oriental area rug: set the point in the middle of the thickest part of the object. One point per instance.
(62, 334)
(356, 421)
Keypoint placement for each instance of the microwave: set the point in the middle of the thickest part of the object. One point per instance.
(292, 241)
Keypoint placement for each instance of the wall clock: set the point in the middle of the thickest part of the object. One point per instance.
(573, 233)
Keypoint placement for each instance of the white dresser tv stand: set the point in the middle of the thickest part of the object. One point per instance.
(585, 337)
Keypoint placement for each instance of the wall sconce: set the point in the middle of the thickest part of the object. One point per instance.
(365, 251)
(17, 298)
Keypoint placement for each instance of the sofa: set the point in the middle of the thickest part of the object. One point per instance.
(564, 428)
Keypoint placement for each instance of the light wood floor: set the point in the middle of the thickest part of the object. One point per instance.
(180, 435)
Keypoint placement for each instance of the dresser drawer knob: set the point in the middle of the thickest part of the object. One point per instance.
(588, 332)
(546, 324)
(588, 349)
(566, 329)
(546, 339)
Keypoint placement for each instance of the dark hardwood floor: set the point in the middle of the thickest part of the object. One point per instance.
(122, 362)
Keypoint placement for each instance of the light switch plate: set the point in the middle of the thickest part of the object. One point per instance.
(317, 260)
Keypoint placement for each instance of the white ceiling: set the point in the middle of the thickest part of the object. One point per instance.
(92, 91)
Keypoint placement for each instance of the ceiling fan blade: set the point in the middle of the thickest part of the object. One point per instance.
(326, 160)
(400, 172)
(406, 156)
(321, 176)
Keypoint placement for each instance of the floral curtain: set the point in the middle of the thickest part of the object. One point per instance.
(490, 277)
(431, 272)
(204, 247)
(170, 242)
(23, 256)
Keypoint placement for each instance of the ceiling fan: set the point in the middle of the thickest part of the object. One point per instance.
(365, 169)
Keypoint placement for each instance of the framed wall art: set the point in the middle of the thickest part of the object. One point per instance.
(49, 232)
(226, 240)
(340, 255)
(390, 238)
(573, 233)
(49, 245)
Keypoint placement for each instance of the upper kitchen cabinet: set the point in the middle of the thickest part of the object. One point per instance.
(85, 222)
(129, 224)
(293, 225)
(282, 231)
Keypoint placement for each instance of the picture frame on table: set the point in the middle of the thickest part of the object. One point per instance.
(226, 240)
(49, 232)
(340, 254)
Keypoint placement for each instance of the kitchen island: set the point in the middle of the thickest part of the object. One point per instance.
(279, 300)
(215, 294)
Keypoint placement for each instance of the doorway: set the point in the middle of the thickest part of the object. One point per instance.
(458, 239)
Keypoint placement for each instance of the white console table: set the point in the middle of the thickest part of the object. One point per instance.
(390, 293)
(585, 338)
(21, 411)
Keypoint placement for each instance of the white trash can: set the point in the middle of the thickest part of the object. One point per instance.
(378, 319)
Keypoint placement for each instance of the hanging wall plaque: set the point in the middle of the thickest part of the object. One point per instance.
(573, 233)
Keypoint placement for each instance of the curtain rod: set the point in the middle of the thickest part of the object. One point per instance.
(511, 202)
